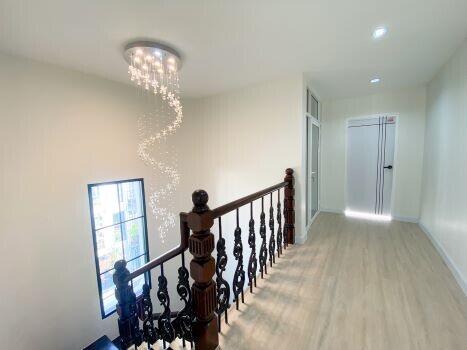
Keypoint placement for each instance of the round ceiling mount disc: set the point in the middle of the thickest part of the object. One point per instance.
(145, 48)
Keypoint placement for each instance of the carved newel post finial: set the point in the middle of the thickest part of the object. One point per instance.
(202, 269)
(200, 200)
(289, 204)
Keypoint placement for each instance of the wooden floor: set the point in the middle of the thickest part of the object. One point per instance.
(354, 285)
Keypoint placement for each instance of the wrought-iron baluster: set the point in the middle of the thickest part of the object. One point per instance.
(150, 332)
(272, 240)
(284, 233)
(239, 276)
(263, 252)
(222, 286)
(279, 224)
(183, 321)
(166, 330)
(253, 263)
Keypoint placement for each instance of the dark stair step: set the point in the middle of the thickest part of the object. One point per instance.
(103, 343)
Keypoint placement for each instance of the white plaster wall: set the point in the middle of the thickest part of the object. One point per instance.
(59, 131)
(248, 138)
(444, 191)
(409, 104)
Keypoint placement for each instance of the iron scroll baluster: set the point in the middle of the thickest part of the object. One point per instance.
(183, 321)
(239, 276)
(150, 332)
(272, 240)
(222, 286)
(263, 253)
(166, 330)
(253, 263)
(279, 224)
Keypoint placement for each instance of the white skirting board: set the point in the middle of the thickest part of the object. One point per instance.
(334, 211)
(450, 264)
(406, 219)
(397, 218)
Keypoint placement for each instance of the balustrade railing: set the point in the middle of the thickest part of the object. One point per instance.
(199, 321)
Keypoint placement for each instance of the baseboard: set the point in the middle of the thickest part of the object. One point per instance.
(300, 239)
(333, 211)
(406, 219)
(397, 218)
(450, 264)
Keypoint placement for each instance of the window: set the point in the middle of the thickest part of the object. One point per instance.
(312, 104)
(118, 219)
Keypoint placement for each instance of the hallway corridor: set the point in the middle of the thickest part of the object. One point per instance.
(354, 285)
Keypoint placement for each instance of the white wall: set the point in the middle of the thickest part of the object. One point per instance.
(409, 104)
(59, 131)
(248, 138)
(444, 191)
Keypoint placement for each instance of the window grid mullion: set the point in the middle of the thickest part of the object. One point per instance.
(118, 223)
(120, 216)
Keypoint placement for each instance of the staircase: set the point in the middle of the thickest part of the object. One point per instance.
(206, 302)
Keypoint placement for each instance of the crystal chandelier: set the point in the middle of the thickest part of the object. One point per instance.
(154, 69)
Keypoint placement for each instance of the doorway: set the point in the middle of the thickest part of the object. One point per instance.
(312, 158)
(370, 166)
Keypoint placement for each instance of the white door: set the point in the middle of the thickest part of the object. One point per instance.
(312, 180)
(370, 157)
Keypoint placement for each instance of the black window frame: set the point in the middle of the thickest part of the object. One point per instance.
(147, 276)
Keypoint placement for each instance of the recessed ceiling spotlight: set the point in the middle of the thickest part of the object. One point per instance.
(379, 32)
(375, 80)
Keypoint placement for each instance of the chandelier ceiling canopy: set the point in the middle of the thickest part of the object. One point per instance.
(153, 52)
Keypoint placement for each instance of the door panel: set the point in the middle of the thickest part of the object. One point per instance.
(370, 147)
(314, 170)
(390, 134)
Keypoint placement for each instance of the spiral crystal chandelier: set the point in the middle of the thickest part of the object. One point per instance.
(154, 69)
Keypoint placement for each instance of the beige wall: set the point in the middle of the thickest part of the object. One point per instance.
(409, 104)
(444, 204)
(247, 139)
(59, 131)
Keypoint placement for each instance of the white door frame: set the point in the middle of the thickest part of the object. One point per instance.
(396, 152)
(316, 122)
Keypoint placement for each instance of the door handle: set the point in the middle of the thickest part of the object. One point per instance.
(388, 167)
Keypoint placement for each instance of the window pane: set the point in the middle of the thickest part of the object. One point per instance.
(108, 292)
(109, 247)
(314, 107)
(134, 238)
(134, 264)
(131, 200)
(105, 205)
(119, 229)
(138, 281)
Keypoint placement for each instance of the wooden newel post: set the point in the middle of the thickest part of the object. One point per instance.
(289, 212)
(202, 269)
(128, 323)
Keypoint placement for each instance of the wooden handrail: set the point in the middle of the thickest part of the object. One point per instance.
(226, 208)
(184, 236)
(185, 230)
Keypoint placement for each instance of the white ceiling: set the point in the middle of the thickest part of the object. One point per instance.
(227, 44)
